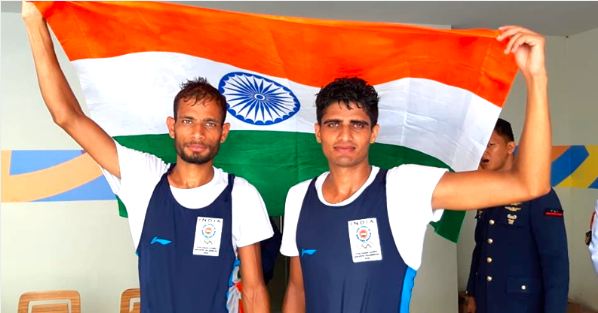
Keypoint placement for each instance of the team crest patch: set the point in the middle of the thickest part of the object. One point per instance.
(364, 234)
(257, 100)
(364, 240)
(208, 233)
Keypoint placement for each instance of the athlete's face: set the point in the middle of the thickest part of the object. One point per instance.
(345, 135)
(198, 130)
(497, 154)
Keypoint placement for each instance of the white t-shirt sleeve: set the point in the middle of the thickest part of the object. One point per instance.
(139, 174)
(593, 247)
(409, 190)
(250, 218)
(292, 209)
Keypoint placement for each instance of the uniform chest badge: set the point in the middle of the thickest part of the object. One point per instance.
(514, 207)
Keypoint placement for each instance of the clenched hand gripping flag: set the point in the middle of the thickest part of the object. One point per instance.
(440, 90)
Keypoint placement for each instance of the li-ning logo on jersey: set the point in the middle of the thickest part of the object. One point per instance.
(159, 240)
(308, 252)
(257, 100)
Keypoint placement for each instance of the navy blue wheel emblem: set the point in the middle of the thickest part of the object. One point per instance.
(257, 100)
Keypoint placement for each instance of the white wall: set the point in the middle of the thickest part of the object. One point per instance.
(573, 67)
(85, 245)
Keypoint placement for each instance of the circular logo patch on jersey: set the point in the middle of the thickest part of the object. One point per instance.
(208, 231)
(257, 100)
(363, 233)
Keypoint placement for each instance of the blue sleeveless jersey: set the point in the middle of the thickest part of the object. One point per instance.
(173, 279)
(332, 281)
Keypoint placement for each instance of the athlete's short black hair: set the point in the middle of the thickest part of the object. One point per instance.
(349, 90)
(199, 89)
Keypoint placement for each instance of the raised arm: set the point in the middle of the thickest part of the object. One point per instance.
(59, 98)
(530, 176)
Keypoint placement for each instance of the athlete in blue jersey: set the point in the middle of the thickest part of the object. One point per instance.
(190, 221)
(355, 233)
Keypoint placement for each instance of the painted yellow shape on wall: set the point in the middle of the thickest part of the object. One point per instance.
(47, 182)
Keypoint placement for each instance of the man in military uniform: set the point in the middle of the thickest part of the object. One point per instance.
(520, 261)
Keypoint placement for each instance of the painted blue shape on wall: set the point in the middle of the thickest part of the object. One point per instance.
(567, 163)
(26, 161)
(594, 185)
(97, 189)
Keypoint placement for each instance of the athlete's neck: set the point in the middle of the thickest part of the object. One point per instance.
(189, 175)
(343, 182)
(508, 163)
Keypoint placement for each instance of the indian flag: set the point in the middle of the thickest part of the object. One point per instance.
(441, 91)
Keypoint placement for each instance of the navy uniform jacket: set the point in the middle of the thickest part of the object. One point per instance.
(520, 262)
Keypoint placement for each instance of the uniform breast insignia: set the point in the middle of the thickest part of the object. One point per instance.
(557, 212)
(514, 207)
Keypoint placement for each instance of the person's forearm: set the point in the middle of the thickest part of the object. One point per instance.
(255, 299)
(56, 92)
(294, 301)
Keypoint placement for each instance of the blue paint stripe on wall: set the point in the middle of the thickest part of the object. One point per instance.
(97, 189)
(594, 185)
(567, 163)
(26, 161)
(407, 289)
